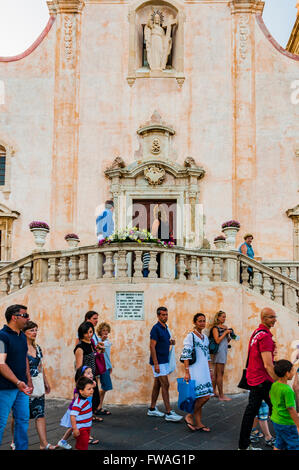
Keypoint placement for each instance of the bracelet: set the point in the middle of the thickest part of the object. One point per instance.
(186, 368)
(18, 382)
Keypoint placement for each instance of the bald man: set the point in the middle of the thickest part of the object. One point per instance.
(260, 374)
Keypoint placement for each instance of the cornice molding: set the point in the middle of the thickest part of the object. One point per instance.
(247, 6)
(65, 6)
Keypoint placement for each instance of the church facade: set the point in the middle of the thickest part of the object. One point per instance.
(187, 104)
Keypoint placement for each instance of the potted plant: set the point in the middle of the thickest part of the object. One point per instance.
(231, 228)
(72, 240)
(40, 231)
(220, 242)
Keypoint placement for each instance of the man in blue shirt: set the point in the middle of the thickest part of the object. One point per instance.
(15, 379)
(160, 342)
(105, 223)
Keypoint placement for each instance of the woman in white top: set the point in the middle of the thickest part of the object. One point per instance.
(200, 371)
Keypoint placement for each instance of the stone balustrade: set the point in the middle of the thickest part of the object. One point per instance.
(123, 262)
(287, 268)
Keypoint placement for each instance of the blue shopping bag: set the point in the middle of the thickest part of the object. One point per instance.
(187, 395)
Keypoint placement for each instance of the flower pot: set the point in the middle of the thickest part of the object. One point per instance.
(220, 244)
(72, 242)
(40, 235)
(230, 233)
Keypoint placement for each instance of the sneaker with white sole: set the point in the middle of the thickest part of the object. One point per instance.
(155, 412)
(250, 447)
(172, 416)
(64, 445)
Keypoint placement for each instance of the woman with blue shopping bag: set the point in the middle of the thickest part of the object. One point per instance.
(196, 359)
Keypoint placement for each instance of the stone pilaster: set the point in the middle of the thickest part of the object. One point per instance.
(244, 109)
(66, 116)
(294, 215)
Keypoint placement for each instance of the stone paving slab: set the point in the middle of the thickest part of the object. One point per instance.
(129, 428)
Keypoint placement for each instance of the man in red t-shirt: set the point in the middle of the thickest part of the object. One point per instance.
(260, 373)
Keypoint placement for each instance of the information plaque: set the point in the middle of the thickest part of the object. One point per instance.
(129, 305)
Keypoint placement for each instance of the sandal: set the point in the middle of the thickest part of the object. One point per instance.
(203, 429)
(256, 433)
(96, 419)
(93, 442)
(190, 426)
(101, 412)
(49, 447)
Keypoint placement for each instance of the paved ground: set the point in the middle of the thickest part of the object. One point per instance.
(129, 428)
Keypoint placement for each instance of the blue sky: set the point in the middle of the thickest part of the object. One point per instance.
(17, 32)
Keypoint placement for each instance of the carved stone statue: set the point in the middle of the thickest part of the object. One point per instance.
(158, 41)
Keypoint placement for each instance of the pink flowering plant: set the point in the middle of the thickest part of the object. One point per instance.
(220, 238)
(231, 223)
(71, 236)
(38, 224)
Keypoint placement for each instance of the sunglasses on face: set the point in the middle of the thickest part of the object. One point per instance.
(23, 315)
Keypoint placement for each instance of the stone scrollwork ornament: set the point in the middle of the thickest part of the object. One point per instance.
(154, 174)
(156, 146)
(158, 40)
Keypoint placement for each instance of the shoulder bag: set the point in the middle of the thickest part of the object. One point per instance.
(38, 380)
(193, 354)
(213, 346)
(243, 382)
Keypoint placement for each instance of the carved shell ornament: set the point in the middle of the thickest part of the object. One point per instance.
(154, 174)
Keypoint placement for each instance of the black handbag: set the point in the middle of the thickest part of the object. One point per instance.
(213, 346)
(193, 354)
(243, 382)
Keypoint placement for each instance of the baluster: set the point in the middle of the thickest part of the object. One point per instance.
(4, 284)
(26, 275)
(181, 267)
(153, 266)
(290, 297)
(193, 267)
(122, 265)
(205, 269)
(53, 274)
(257, 281)
(138, 265)
(64, 271)
(74, 267)
(83, 267)
(216, 269)
(245, 275)
(278, 291)
(108, 264)
(267, 286)
(293, 273)
(15, 280)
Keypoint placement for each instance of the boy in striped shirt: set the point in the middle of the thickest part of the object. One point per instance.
(81, 413)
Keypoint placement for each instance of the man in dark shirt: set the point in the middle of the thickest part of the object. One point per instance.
(15, 379)
(160, 342)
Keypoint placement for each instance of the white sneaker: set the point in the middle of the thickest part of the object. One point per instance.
(173, 416)
(155, 412)
(64, 445)
(250, 447)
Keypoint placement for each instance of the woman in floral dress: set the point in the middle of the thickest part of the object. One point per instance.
(200, 371)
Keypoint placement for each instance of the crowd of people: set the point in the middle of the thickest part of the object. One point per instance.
(24, 383)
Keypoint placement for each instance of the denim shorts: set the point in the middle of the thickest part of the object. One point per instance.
(263, 413)
(105, 380)
(287, 437)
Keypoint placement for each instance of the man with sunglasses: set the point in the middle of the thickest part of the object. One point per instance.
(15, 379)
